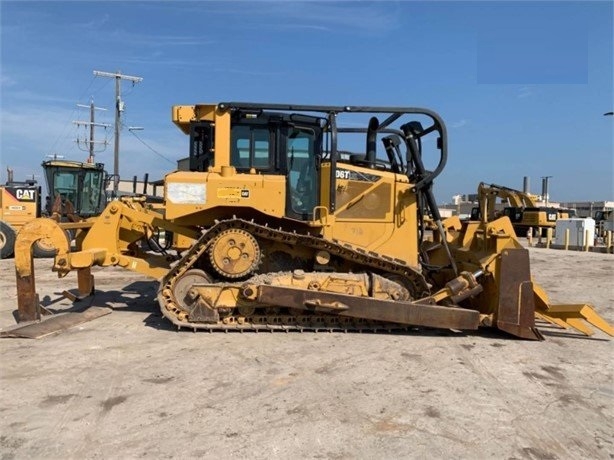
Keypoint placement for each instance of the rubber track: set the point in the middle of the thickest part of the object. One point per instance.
(369, 260)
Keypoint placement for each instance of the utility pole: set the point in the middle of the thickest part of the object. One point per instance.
(119, 108)
(92, 124)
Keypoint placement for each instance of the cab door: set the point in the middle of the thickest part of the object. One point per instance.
(301, 147)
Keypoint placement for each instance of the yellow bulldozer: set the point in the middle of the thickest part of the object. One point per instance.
(304, 217)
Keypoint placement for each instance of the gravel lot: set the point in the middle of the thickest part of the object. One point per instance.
(128, 385)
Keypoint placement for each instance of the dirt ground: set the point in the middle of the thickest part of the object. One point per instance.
(128, 385)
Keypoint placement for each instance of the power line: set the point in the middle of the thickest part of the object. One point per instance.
(71, 116)
(151, 148)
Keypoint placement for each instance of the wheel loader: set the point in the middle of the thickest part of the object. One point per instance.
(308, 218)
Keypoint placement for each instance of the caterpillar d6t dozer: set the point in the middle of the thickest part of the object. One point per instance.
(289, 219)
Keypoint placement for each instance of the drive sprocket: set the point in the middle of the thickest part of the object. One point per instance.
(234, 253)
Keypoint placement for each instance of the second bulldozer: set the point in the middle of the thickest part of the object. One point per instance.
(298, 217)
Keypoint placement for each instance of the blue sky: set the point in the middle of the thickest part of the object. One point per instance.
(522, 85)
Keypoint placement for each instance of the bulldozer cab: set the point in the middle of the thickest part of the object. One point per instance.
(81, 184)
(320, 150)
(268, 144)
(284, 145)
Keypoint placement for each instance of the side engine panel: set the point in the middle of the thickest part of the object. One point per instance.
(187, 194)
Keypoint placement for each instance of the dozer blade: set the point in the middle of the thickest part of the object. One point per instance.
(521, 301)
(516, 309)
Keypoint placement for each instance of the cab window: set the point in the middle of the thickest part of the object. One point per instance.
(201, 147)
(251, 147)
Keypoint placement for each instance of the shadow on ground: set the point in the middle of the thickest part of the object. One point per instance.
(140, 296)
